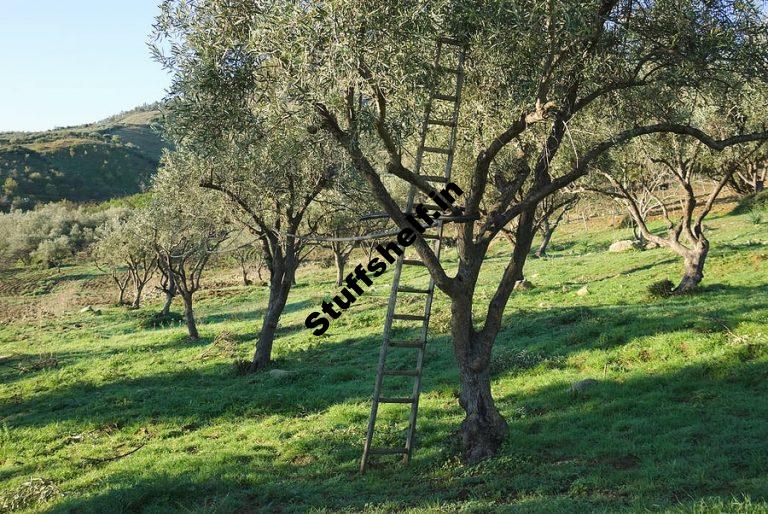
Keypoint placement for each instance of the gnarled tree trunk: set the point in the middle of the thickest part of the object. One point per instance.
(693, 271)
(483, 429)
(137, 297)
(281, 281)
(341, 262)
(189, 315)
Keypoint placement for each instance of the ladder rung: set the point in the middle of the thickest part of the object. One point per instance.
(449, 41)
(401, 372)
(444, 123)
(447, 98)
(386, 451)
(395, 400)
(413, 262)
(444, 69)
(406, 289)
(406, 344)
(435, 178)
(432, 149)
(408, 317)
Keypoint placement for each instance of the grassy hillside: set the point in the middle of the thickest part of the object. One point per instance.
(100, 415)
(108, 159)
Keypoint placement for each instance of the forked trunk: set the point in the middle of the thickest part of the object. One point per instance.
(279, 289)
(189, 315)
(121, 299)
(167, 305)
(483, 429)
(693, 273)
(137, 299)
(170, 290)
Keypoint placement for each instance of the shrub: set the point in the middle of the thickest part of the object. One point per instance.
(755, 216)
(661, 289)
(160, 320)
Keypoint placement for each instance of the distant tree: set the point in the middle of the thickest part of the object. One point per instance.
(550, 214)
(679, 162)
(121, 249)
(49, 234)
(53, 252)
(186, 226)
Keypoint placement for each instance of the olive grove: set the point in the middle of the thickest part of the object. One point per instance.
(540, 78)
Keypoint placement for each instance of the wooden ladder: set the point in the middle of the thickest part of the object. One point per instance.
(452, 71)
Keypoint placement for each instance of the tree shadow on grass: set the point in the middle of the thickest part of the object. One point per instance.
(636, 441)
(561, 331)
(334, 372)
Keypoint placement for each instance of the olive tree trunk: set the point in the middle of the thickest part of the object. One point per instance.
(693, 270)
(137, 297)
(189, 315)
(341, 262)
(281, 281)
(547, 231)
(483, 429)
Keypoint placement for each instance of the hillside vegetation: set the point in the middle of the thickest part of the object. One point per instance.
(108, 159)
(98, 414)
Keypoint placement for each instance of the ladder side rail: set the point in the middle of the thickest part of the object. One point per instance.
(438, 250)
(393, 293)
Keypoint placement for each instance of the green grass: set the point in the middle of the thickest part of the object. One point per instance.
(678, 419)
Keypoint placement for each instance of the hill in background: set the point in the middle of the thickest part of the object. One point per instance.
(112, 158)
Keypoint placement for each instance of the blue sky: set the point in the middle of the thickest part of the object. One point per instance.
(68, 62)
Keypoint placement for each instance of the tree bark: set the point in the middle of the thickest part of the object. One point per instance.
(137, 299)
(340, 264)
(169, 288)
(167, 305)
(547, 237)
(483, 429)
(693, 271)
(189, 315)
(280, 286)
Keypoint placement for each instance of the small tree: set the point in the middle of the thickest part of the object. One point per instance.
(123, 251)
(551, 213)
(186, 226)
(683, 163)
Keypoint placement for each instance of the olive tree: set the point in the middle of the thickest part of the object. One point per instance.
(185, 225)
(128, 257)
(537, 76)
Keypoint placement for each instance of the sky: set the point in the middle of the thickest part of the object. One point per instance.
(69, 62)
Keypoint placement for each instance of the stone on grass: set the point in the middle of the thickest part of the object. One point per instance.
(90, 309)
(583, 291)
(582, 385)
(280, 373)
(623, 246)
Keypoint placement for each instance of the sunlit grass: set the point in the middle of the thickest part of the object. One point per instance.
(676, 420)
